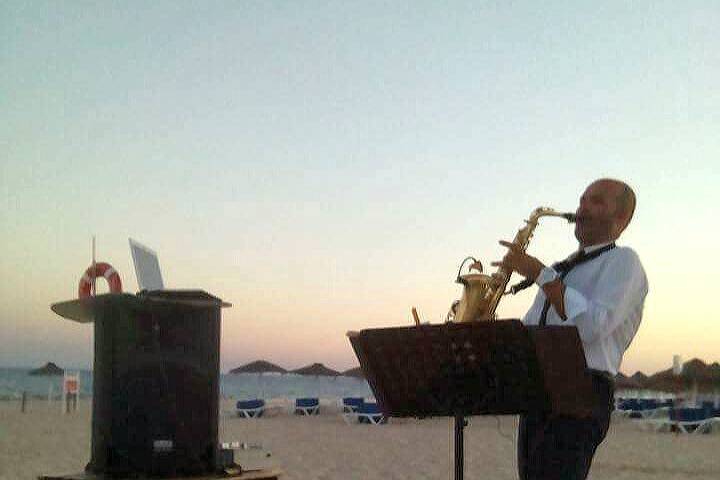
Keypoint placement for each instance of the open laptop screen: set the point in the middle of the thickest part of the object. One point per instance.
(147, 267)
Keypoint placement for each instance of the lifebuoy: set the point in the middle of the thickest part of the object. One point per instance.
(104, 270)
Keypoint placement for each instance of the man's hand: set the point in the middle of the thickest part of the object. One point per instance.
(519, 261)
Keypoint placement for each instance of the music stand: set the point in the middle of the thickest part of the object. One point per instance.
(474, 368)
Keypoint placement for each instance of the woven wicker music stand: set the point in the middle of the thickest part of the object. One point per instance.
(475, 368)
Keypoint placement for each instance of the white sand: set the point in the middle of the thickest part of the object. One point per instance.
(325, 447)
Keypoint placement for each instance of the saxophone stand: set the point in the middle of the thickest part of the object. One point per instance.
(474, 368)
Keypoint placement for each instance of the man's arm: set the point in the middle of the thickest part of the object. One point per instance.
(530, 267)
(619, 290)
(555, 293)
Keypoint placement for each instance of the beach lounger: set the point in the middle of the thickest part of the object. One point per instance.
(643, 408)
(351, 404)
(709, 409)
(307, 406)
(368, 412)
(250, 408)
(686, 420)
(693, 420)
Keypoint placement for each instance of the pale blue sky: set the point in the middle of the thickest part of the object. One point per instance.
(325, 166)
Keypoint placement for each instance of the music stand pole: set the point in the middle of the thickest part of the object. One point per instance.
(460, 424)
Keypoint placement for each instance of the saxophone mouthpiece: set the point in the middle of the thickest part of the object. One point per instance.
(570, 217)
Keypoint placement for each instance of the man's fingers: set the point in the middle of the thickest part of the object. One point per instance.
(511, 246)
(507, 260)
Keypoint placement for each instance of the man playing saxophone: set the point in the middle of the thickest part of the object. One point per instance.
(600, 289)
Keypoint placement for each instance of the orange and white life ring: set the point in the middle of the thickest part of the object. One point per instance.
(104, 270)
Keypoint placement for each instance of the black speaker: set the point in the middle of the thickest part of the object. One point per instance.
(155, 382)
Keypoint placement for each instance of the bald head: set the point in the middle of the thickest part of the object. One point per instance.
(624, 199)
(605, 210)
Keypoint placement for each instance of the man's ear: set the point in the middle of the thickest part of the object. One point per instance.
(623, 219)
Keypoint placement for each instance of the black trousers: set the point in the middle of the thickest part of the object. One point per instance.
(557, 447)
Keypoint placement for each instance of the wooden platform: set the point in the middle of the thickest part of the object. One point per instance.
(230, 474)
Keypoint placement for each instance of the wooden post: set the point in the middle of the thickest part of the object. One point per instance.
(23, 405)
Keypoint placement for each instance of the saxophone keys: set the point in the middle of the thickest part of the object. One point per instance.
(498, 277)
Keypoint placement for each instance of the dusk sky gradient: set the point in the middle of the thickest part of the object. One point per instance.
(325, 166)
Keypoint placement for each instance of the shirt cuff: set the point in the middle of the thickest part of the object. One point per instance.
(546, 275)
(575, 304)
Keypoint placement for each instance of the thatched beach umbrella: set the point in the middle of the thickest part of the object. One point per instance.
(354, 372)
(49, 369)
(666, 381)
(318, 370)
(640, 378)
(695, 375)
(258, 366)
(624, 382)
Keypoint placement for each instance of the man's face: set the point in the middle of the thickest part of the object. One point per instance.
(597, 219)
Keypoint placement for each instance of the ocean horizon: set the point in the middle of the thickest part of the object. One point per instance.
(14, 381)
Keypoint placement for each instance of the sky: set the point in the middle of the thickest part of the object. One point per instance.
(325, 166)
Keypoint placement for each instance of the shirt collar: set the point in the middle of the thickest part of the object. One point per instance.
(597, 246)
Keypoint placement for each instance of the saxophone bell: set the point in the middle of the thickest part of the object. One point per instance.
(476, 265)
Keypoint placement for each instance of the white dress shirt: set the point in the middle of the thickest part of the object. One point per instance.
(604, 299)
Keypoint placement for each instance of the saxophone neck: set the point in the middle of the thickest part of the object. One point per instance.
(523, 236)
(549, 212)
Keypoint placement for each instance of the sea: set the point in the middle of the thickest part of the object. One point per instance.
(244, 386)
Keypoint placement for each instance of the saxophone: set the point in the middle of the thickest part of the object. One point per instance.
(481, 293)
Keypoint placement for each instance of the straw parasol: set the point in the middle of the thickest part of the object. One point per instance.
(627, 383)
(318, 370)
(49, 369)
(355, 373)
(695, 374)
(640, 378)
(258, 366)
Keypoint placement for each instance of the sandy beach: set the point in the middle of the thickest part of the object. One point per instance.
(325, 447)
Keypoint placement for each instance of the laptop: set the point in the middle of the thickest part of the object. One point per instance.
(147, 267)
